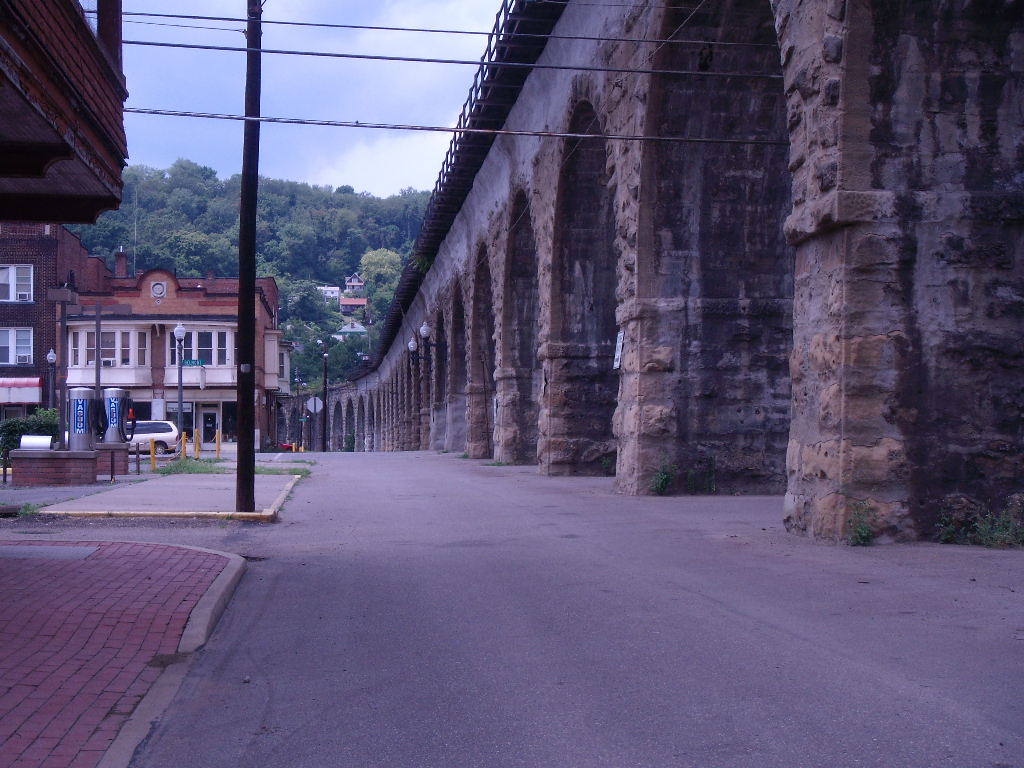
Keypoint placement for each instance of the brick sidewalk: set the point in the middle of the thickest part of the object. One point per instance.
(85, 630)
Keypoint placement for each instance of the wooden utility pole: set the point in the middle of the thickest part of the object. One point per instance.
(245, 492)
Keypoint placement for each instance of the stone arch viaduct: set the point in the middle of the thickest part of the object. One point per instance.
(810, 280)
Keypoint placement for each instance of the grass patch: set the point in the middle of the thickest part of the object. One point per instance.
(464, 456)
(29, 509)
(495, 463)
(191, 467)
(301, 471)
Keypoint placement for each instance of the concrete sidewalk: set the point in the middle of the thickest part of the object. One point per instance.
(94, 640)
(207, 496)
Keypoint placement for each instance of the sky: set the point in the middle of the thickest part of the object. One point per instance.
(379, 162)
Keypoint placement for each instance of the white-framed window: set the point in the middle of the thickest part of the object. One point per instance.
(116, 348)
(211, 347)
(16, 282)
(15, 346)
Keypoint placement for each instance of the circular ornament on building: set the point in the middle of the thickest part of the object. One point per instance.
(158, 289)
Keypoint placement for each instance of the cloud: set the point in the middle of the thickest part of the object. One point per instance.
(382, 164)
(310, 87)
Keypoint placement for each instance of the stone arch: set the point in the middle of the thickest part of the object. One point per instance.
(371, 423)
(349, 443)
(582, 387)
(337, 427)
(520, 376)
(480, 361)
(713, 260)
(361, 424)
(455, 431)
(438, 382)
(410, 372)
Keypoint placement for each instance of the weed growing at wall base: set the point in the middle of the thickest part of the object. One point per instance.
(664, 477)
(859, 531)
(973, 523)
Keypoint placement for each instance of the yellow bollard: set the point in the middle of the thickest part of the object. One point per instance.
(184, 446)
(152, 455)
(218, 443)
(197, 442)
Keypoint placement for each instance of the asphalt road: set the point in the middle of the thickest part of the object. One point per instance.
(424, 610)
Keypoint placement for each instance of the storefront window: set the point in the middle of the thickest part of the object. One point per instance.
(143, 345)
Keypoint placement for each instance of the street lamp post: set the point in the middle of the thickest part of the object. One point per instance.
(51, 362)
(179, 338)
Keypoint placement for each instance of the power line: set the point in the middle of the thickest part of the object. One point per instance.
(446, 129)
(474, 63)
(508, 37)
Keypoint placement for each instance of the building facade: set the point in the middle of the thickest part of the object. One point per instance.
(138, 351)
(34, 260)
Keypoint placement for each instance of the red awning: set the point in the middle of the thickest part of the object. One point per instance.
(21, 391)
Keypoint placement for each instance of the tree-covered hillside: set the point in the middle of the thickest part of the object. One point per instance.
(185, 219)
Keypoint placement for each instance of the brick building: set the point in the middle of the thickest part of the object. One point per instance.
(34, 258)
(137, 347)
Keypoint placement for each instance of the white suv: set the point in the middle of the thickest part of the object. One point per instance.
(165, 433)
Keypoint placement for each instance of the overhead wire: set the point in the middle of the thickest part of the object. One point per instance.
(461, 62)
(442, 128)
(507, 38)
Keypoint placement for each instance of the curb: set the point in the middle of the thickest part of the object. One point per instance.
(268, 515)
(198, 629)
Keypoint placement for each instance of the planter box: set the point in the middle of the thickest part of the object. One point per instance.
(40, 468)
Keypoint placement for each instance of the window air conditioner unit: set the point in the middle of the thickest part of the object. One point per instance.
(24, 296)
(24, 359)
(108, 362)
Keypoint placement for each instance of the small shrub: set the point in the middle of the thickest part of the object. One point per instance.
(967, 522)
(664, 477)
(496, 463)
(859, 530)
(350, 443)
(42, 422)
(702, 479)
(608, 466)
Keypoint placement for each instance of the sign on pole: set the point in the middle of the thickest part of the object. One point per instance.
(314, 404)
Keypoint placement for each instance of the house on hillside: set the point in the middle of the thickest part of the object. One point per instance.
(354, 285)
(331, 293)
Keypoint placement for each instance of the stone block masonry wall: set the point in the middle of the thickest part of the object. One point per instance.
(909, 309)
(819, 281)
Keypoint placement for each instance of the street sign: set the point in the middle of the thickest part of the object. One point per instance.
(314, 404)
(187, 363)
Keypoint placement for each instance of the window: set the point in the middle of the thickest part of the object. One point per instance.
(222, 347)
(90, 348)
(108, 347)
(205, 351)
(15, 346)
(280, 365)
(186, 347)
(16, 282)
(143, 346)
(126, 348)
(75, 347)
